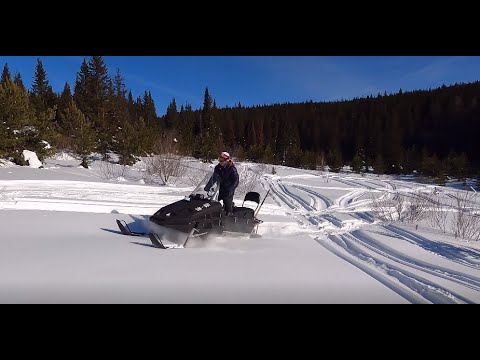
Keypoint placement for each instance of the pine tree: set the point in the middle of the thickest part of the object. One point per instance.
(294, 156)
(149, 112)
(357, 164)
(65, 97)
(379, 165)
(47, 136)
(171, 117)
(62, 103)
(251, 134)
(121, 113)
(80, 94)
(99, 104)
(335, 160)
(98, 87)
(186, 119)
(132, 109)
(128, 143)
(42, 94)
(17, 122)
(5, 74)
(281, 141)
(210, 133)
(226, 127)
(268, 156)
(19, 82)
(310, 160)
(82, 132)
(119, 86)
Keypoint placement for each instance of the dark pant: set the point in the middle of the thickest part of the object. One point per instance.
(227, 203)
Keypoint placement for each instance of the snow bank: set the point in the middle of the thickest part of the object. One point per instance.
(32, 159)
(6, 163)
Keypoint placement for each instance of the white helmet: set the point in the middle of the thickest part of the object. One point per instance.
(225, 155)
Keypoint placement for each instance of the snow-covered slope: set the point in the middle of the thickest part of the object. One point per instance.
(321, 244)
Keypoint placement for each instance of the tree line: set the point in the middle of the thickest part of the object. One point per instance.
(429, 132)
(100, 115)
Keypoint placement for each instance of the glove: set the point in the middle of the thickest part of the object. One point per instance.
(211, 192)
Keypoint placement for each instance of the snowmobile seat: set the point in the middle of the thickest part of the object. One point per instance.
(252, 196)
(243, 212)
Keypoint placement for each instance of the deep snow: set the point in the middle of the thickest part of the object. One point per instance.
(320, 244)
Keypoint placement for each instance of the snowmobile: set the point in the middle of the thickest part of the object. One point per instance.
(200, 214)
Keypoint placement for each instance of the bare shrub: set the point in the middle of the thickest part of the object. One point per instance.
(465, 223)
(416, 208)
(261, 168)
(166, 165)
(193, 178)
(385, 208)
(438, 213)
(400, 208)
(110, 171)
(248, 180)
(195, 172)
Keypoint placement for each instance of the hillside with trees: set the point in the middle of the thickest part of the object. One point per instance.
(427, 132)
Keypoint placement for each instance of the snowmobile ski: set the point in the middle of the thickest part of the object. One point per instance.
(126, 230)
(157, 242)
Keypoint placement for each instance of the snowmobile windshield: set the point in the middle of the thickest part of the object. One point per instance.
(207, 189)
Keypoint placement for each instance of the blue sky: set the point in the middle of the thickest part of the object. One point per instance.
(258, 80)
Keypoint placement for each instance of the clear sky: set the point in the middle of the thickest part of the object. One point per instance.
(258, 80)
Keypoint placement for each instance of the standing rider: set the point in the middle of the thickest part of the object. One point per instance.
(227, 175)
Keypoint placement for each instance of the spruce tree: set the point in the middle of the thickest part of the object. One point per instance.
(310, 160)
(19, 82)
(335, 160)
(18, 130)
(42, 94)
(251, 134)
(210, 135)
(81, 131)
(149, 111)
(357, 164)
(268, 156)
(62, 103)
(132, 109)
(97, 87)
(171, 117)
(128, 143)
(46, 137)
(99, 105)
(186, 119)
(379, 165)
(80, 94)
(5, 74)
(294, 156)
(119, 85)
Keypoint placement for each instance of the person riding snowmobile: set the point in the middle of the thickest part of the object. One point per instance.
(227, 176)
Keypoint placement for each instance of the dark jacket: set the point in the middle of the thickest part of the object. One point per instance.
(227, 177)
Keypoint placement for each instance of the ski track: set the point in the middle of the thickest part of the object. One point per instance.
(458, 254)
(367, 254)
(325, 199)
(377, 247)
(396, 276)
(59, 195)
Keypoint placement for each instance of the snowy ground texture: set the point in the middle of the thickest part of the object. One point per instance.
(321, 242)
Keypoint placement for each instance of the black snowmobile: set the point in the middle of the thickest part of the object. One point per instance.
(201, 214)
